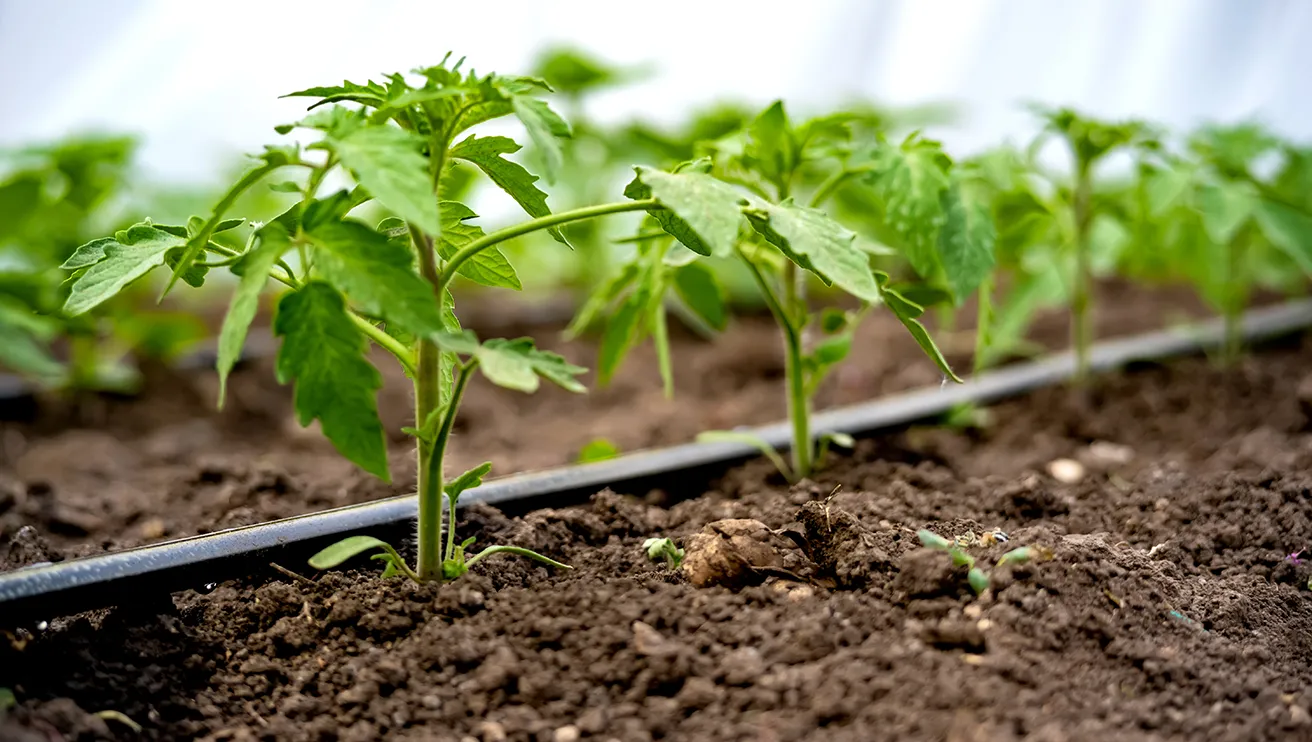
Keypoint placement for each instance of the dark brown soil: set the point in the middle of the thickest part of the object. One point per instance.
(116, 473)
(1160, 604)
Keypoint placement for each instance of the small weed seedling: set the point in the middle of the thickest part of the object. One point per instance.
(978, 578)
(349, 283)
(659, 549)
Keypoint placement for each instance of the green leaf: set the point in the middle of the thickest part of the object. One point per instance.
(832, 350)
(749, 439)
(193, 275)
(134, 253)
(511, 177)
(1290, 230)
(842, 440)
(544, 127)
(345, 549)
(623, 331)
(286, 186)
(255, 267)
(324, 353)
(833, 320)
(772, 150)
(965, 242)
(370, 94)
(597, 449)
(979, 582)
(908, 314)
(22, 349)
(698, 287)
(817, 243)
(931, 540)
(228, 224)
(1165, 189)
(388, 163)
(89, 254)
(516, 364)
(377, 274)
(703, 213)
(910, 180)
(1016, 556)
(1224, 208)
(488, 267)
(467, 481)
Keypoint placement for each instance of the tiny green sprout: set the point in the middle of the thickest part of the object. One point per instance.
(979, 581)
(663, 548)
(955, 548)
(931, 540)
(121, 718)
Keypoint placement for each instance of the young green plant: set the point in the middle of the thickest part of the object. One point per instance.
(739, 204)
(976, 576)
(1233, 228)
(349, 283)
(663, 549)
(53, 198)
(1090, 142)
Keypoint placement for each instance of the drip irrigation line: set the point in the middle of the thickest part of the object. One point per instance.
(43, 592)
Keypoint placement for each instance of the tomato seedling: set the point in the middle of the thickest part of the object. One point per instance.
(53, 197)
(349, 283)
(1234, 229)
(976, 576)
(738, 203)
(1090, 142)
(663, 549)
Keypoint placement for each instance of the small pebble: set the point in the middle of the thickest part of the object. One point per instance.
(1109, 454)
(569, 733)
(1066, 471)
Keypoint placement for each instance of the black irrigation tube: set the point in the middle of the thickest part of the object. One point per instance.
(43, 592)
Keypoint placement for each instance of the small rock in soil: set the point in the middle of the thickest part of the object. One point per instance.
(1105, 455)
(1066, 471)
(648, 642)
(949, 634)
(731, 553)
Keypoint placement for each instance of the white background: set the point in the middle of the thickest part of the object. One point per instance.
(199, 80)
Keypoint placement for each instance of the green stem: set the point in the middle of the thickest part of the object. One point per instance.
(428, 396)
(1236, 297)
(1082, 289)
(517, 551)
(983, 323)
(440, 441)
(199, 241)
(661, 339)
(386, 342)
(798, 401)
(835, 181)
(534, 225)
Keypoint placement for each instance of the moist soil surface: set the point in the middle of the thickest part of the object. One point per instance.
(109, 473)
(1160, 601)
